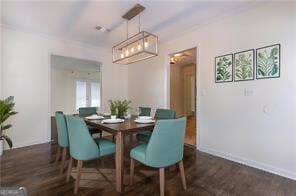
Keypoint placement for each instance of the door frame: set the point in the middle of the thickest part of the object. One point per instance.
(167, 55)
(49, 67)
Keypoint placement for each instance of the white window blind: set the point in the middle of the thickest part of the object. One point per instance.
(88, 94)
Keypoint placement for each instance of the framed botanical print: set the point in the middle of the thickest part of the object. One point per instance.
(244, 65)
(224, 68)
(268, 61)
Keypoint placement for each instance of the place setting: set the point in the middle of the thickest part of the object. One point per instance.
(144, 120)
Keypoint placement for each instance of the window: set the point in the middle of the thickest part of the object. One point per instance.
(88, 94)
(81, 98)
(95, 94)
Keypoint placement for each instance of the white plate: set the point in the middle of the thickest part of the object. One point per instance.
(117, 120)
(94, 117)
(144, 121)
(145, 117)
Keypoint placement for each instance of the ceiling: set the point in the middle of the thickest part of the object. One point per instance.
(76, 20)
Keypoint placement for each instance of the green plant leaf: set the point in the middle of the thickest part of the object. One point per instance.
(243, 67)
(6, 110)
(8, 140)
(267, 62)
(223, 69)
(5, 127)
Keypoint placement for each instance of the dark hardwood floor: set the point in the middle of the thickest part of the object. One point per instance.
(33, 168)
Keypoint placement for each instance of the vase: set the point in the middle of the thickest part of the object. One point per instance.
(121, 115)
(1, 146)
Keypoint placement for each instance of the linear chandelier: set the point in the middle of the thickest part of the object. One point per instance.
(139, 47)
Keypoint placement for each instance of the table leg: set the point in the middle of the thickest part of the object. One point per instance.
(131, 139)
(119, 162)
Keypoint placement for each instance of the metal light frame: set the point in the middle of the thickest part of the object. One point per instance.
(147, 53)
(143, 53)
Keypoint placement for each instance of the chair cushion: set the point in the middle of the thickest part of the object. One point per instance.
(139, 153)
(106, 147)
(144, 137)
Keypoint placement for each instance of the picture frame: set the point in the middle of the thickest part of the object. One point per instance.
(268, 62)
(244, 65)
(224, 68)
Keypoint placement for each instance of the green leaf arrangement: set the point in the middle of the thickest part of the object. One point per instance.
(6, 110)
(223, 73)
(243, 68)
(118, 107)
(267, 63)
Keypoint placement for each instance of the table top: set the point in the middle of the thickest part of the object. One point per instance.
(128, 126)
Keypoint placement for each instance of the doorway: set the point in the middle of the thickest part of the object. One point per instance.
(183, 90)
(74, 83)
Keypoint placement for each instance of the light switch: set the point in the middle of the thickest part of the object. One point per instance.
(202, 93)
(249, 92)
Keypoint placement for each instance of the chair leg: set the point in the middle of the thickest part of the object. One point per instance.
(79, 167)
(161, 181)
(58, 155)
(132, 171)
(101, 134)
(102, 161)
(182, 173)
(64, 155)
(113, 138)
(69, 169)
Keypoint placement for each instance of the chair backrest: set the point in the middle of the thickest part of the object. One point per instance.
(162, 114)
(82, 145)
(145, 111)
(166, 144)
(62, 129)
(87, 111)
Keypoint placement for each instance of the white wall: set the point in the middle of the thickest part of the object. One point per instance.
(258, 130)
(146, 84)
(26, 75)
(1, 59)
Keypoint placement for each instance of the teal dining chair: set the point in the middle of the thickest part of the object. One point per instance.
(144, 111)
(160, 114)
(88, 111)
(83, 147)
(63, 141)
(165, 148)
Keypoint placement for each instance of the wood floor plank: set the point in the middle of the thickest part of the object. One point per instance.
(34, 168)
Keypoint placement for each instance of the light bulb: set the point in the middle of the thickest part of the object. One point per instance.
(126, 52)
(132, 49)
(139, 47)
(122, 55)
(146, 44)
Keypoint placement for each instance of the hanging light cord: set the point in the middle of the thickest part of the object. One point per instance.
(126, 29)
(139, 23)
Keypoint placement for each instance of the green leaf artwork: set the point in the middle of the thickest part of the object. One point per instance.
(244, 65)
(268, 62)
(224, 68)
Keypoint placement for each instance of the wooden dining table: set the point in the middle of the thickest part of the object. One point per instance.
(120, 130)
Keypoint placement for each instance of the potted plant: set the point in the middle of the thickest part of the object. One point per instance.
(6, 110)
(119, 108)
(113, 109)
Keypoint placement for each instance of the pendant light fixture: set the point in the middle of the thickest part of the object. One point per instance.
(141, 46)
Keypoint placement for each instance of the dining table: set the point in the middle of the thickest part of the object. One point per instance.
(120, 130)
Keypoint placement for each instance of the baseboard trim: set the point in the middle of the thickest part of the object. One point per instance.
(25, 144)
(250, 163)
